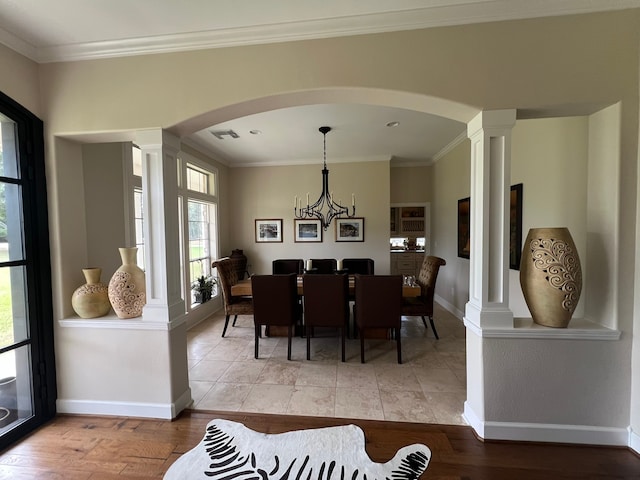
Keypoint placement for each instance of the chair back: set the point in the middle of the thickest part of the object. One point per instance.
(326, 300)
(428, 276)
(363, 266)
(275, 299)
(287, 265)
(228, 276)
(324, 265)
(378, 301)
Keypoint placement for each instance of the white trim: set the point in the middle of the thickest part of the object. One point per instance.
(524, 328)
(450, 146)
(433, 15)
(544, 432)
(126, 409)
(111, 321)
(634, 441)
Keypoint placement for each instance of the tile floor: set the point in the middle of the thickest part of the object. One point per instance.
(429, 387)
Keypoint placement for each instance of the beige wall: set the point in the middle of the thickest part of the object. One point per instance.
(268, 192)
(411, 184)
(20, 80)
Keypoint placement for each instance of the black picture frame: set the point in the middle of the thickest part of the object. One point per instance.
(515, 227)
(464, 227)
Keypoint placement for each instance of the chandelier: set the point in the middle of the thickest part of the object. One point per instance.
(326, 201)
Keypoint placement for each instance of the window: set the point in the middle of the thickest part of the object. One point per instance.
(138, 211)
(199, 217)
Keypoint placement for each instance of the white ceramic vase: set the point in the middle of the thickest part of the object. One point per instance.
(550, 276)
(127, 289)
(91, 300)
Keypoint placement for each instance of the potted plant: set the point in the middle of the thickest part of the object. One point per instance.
(203, 288)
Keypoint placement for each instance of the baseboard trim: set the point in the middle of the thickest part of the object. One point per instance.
(125, 409)
(551, 433)
(449, 307)
(634, 441)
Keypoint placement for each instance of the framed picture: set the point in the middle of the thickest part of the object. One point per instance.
(515, 227)
(464, 227)
(307, 230)
(350, 229)
(269, 230)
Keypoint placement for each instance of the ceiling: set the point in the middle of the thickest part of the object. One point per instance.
(76, 30)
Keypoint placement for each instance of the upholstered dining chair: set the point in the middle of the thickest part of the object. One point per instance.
(324, 265)
(326, 304)
(287, 265)
(233, 305)
(378, 305)
(363, 266)
(422, 306)
(275, 303)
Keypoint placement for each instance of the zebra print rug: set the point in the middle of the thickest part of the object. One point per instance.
(231, 451)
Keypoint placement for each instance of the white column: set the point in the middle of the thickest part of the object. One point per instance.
(161, 238)
(490, 135)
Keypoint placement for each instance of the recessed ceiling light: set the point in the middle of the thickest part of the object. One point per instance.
(393, 124)
(255, 132)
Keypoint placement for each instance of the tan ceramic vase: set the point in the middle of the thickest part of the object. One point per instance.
(127, 289)
(550, 276)
(91, 300)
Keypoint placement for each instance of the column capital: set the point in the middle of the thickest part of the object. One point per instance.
(491, 119)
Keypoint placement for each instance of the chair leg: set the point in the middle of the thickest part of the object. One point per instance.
(226, 324)
(289, 343)
(424, 320)
(234, 320)
(256, 334)
(308, 344)
(361, 332)
(397, 330)
(433, 327)
(343, 333)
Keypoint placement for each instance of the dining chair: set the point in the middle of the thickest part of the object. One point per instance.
(326, 304)
(363, 266)
(378, 305)
(275, 303)
(287, 265)
(233, 305)
(422, 306)
(324, 265)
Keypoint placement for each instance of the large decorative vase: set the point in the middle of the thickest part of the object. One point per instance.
(127, 289)
(550, 276)
(91, 300)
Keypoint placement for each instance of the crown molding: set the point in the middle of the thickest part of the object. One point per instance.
(459, 13)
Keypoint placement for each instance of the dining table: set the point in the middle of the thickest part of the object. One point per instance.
(243, 288)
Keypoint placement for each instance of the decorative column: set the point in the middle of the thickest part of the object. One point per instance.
(162, 248)
(490, 135)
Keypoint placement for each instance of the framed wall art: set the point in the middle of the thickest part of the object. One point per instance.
(350, 229)
(307, 230)
(464, 227)
(515, 227)
(268, 230)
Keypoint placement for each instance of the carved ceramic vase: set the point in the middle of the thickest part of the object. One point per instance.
(91, 300)
(550, 276)
(127, 289)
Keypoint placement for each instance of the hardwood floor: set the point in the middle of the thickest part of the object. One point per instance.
(87, 447)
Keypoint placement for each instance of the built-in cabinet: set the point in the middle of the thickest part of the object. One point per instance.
(409, 220)
(406, 263)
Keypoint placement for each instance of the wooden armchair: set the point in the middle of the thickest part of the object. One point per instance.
(233, 305)
(422, 306)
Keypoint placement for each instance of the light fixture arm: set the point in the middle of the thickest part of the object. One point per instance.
(333, 209)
